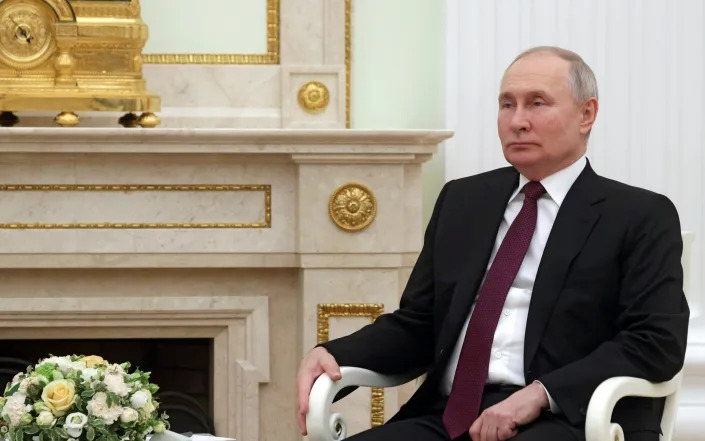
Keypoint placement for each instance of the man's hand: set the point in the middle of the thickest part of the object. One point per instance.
(313, 365)
(500, 422)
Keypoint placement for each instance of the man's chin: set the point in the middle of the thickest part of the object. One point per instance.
(523, 158)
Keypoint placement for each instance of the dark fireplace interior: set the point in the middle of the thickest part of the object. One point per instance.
(182, 368)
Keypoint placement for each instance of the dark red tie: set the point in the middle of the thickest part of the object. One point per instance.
(471, 374)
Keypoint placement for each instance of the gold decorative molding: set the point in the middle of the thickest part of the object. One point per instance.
(352, 207)
(266, 189)
(313, 97)
(107, 9)
(371, 310)
(271, 57)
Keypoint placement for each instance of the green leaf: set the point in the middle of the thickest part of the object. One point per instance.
(62, 432)
(88, 393)
(12, 390)
(90, 433)
(98, 422)
(19, 435)
(43, 436)
(32, 429)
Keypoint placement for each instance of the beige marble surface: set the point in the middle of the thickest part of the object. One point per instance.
(207, 140)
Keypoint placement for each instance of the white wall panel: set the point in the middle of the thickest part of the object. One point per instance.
(648, 59)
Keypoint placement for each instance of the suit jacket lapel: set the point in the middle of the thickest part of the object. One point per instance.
(574, 222)
(482, 215)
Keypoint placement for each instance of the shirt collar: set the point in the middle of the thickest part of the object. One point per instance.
(558, 184)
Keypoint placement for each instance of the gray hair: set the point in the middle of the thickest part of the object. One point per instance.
(581, 78)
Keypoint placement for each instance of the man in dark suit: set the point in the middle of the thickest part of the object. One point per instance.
(535, 283)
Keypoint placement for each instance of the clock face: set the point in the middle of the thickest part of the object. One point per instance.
(26, 35)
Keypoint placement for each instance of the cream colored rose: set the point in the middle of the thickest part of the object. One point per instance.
(93, 360)
(59, 396)
(129, 415)
(45, 418)
(159, 427)
(149, 408)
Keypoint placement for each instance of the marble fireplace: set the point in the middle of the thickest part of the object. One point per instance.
(263, 240)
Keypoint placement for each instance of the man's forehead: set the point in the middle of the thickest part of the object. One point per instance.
(536, 71)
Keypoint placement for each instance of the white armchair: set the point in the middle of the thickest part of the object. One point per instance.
(322, 426)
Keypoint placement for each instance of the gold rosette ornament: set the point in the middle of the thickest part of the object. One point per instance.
(314, 97)
(352, 207)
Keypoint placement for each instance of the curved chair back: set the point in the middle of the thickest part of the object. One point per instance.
(668, 419)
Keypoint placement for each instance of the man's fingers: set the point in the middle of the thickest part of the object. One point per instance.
(330, 367)
(489, 432)
(304, 384)
(504, 433)
(301, 419)
(476, 429)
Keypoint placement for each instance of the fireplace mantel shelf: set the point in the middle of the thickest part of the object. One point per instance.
(195, 140)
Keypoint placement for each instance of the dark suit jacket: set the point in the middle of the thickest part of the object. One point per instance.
(607, 301)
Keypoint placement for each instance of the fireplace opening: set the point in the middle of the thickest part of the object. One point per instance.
(182, 368)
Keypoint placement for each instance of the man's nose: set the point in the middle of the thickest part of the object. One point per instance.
(520, 120)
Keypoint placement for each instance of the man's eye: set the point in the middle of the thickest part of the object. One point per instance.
(506, 105)
(538, 103)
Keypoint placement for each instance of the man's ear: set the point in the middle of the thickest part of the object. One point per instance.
(588, 114)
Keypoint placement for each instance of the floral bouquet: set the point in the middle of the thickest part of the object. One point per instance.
(76, 398)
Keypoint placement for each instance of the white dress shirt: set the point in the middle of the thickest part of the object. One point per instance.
(507, 356)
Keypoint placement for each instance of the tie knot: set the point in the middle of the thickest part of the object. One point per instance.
(534, 190)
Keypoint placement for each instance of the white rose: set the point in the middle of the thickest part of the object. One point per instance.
(129, 415)
(89, 374)
(74, 424)
(15, 408)
(98, 407)
(140, 398)
(45, 418)
(78, 365)
(116, 384)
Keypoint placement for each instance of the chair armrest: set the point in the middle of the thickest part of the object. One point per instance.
(320, 424)
(598, 423)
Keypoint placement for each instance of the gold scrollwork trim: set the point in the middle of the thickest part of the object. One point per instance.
(371, 310)
(271, 57)
(266, 189)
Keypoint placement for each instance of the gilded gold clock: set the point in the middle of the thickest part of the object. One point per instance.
(72, 56)
(26, 35)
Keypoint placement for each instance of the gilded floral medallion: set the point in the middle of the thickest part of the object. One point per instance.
(352, 207)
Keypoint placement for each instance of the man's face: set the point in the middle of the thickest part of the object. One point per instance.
(541, 127)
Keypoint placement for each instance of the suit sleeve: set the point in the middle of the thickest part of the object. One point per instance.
(403, 340)
(653, 316)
